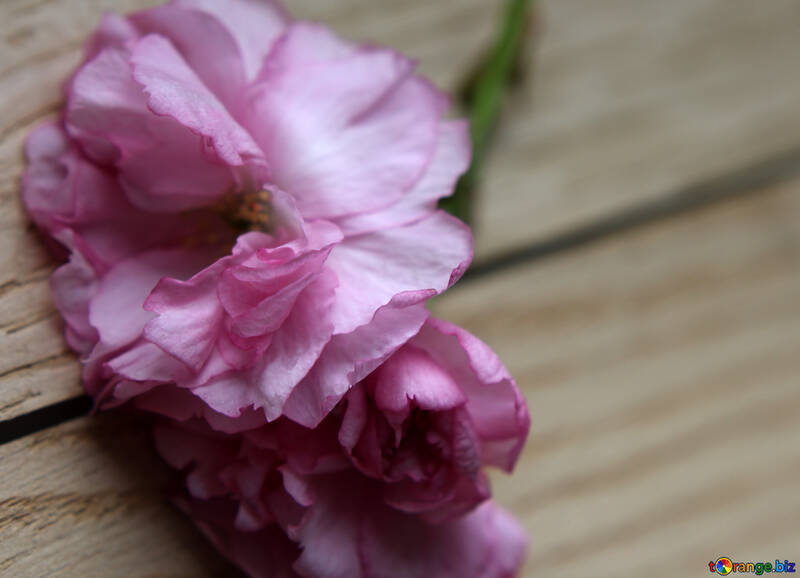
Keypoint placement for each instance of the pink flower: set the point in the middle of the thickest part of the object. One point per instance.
(430, 417)
(389, 484)
(190, 123)
(247, 209)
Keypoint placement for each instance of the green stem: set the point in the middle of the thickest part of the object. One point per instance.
(486, 98)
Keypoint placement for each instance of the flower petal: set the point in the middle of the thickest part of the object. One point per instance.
(497, 408)
(189, 316)
(174, 90)
(348, 358)
(449, 162)
(372, 539)
(297, 345)
(412, 377)
(105, 107)
(203, 42)
(74, 284)
(320, 118)
(254, 25)
(164, 166)
(117, 309)
(430, 254)
(292, 351)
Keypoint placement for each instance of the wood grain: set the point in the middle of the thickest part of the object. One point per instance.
(633, 99)
(88, 498)
(661, 369)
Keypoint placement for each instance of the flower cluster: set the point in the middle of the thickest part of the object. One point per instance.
(247, 209)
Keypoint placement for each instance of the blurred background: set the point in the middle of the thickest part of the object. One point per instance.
(637, 226)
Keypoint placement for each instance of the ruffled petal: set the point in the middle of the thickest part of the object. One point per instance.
(106, 108)
(114, 31)
(449, 162)
(45, 191)
(254, 25)
(293, 350)
(165, 166)
(429, 255)
(82, 205)
(174, 90)
(495, 404)
(350, 357)
(412, 378)
(189, 316)
(117, 308)
(297, 345)
(203, 42)
(372, 539)
(321, 110)
(74, 284)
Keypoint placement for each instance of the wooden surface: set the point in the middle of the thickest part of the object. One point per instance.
(660, 364)
(89, 498)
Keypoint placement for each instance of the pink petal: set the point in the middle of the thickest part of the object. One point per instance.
(296, 346)
(105, 107)
(172, 171)
(429, 255)
(270, 313)
(292, 352)
(81, 204)
(114, 31)
(411, 376)
(174, 90)
(320, 118)
(203, 42)
(372, 539)
(145, 362)
(449, 162)
(348, 358)
(497, 408)
(228, 394)
(189, 316)
(254, 25)
(74, 284)
(47, 151)
(117, 309)
(164, 165)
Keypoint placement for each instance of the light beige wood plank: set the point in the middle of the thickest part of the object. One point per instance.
(661, 368)
(88, 498)
(633, 99)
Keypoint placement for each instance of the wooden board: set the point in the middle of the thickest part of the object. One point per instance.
(635, 99)
(88, 498)
(661, 371)
(661, 368)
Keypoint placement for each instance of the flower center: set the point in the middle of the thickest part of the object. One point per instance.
(248, 211)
